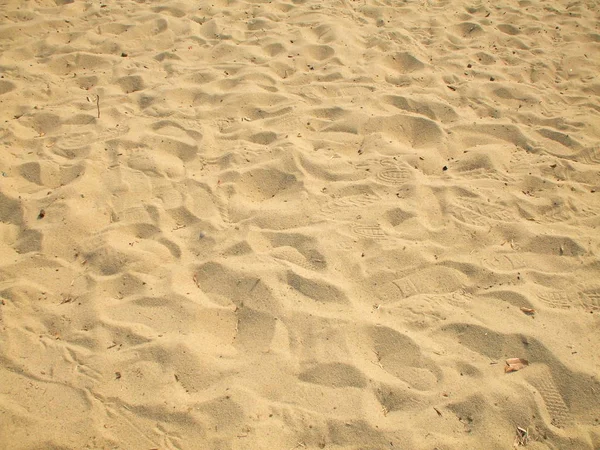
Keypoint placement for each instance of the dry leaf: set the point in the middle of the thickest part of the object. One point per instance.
(514, 364)
(528, 310)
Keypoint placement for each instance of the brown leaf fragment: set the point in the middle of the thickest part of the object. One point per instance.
(514, 364)
(528, 311)
(437, 411)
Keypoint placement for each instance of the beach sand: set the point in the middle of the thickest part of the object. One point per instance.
(299, 224)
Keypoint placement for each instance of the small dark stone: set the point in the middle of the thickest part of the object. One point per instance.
(445, 168)
(492, 79)
(124, 55)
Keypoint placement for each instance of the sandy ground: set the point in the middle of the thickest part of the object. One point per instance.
(299, 224)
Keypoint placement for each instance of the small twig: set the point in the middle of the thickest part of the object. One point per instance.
(522, 438)
(98, 104)
(255, 284)
(67, 299)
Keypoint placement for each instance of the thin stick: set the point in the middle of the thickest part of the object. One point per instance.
(98, 104)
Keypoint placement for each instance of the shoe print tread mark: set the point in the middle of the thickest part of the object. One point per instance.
(587, 300)
(482, 174)
(591, 300)
(560, 215)
(345, 203)
(397, 175)
(454, 299)
(465, 216)
(74, 141)
(485, 210)
(591, 156)
(389, 163)
(504, 262)
(559, 299)
(479, 214)
(555, 404)
(369, 231)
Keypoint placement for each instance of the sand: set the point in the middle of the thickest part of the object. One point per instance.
(299, 224)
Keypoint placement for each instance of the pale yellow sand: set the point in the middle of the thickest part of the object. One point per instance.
(256, 245)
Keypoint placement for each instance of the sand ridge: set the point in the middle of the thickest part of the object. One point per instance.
(299, 224)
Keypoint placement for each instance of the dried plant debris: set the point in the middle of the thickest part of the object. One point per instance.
(528, 311)
(522, 437)
(514, 364)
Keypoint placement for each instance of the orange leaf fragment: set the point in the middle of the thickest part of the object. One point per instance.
(528, 310)
(514, 364)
